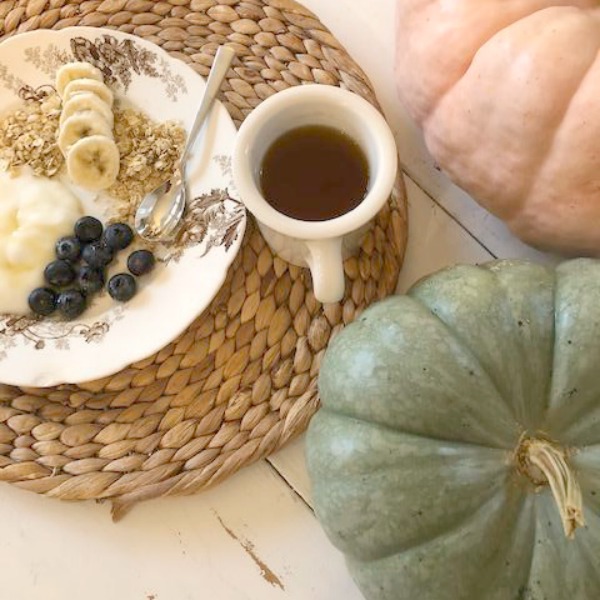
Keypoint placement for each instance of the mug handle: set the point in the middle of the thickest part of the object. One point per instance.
(327, 269)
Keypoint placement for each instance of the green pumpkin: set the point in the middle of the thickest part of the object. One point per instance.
(457, 453)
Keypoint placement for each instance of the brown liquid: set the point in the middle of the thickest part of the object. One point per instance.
(314, 173)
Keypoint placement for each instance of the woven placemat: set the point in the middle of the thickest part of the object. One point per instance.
(241, 381)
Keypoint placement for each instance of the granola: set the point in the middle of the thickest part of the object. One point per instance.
(149, 156)
(149, 151)
(28, 137)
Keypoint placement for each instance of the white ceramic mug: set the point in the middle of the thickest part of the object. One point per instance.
(320, 245)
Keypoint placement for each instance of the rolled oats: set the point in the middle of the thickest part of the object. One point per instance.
(149, 151)
(149, 156)
(28, 137)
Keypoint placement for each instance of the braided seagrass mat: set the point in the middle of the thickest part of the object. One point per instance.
(241, 381)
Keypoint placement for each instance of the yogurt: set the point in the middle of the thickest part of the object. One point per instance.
(34, 213)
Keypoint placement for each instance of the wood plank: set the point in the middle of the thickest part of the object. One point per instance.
(290, 463)
(436, 240)
(250, 538)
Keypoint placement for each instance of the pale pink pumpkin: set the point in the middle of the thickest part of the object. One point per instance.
(508, 95)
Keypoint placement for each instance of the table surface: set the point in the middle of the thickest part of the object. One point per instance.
(255, 536)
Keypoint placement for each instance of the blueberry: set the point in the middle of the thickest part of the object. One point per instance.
(42, 301)
(90, 280)
(122, 287)
(141, 262)
(71, 303)
(88, 229)
(118, 236)
(68, 248)
(59, 273)
(97, 255)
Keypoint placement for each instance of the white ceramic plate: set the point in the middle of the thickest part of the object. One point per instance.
(110, 336)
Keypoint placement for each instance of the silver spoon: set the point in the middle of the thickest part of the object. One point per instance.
(153, 224)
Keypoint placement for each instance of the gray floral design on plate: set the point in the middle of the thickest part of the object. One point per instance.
(39, 332)
(118, 60)
(209, 220)
(226, 166)
(10, 80)
(38, 94)
(49, 60)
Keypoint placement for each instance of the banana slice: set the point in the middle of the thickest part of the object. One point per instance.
(88, 85)
(86, 101)
(75, 70)
(93, 162)
(81, 125)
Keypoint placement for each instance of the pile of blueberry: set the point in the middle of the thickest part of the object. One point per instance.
(79, 270)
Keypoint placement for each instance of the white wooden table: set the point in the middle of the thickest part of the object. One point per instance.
(255, 536)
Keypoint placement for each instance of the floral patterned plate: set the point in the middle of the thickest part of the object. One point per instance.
(109, 336)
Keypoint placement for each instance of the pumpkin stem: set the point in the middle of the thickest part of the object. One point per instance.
(546, 464)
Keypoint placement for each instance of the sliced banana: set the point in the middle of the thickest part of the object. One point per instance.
(86, 84)
(86, 101)
(81, 125)
(93, 162)
(75, 70)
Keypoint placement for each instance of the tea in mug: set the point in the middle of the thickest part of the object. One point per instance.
(314, 173)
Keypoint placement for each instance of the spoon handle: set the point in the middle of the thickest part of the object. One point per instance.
(223, 58)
